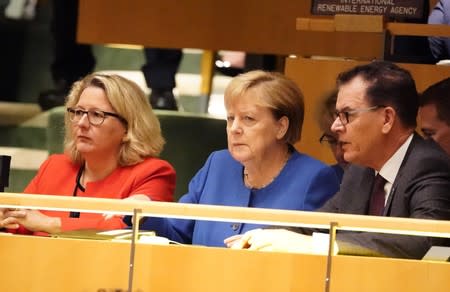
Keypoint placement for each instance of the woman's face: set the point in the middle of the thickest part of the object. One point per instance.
(102, 140)
(253, 132)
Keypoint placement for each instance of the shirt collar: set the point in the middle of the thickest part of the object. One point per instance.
(390, 169)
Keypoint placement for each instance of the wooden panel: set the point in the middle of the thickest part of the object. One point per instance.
(204, 24)
(371, 24)
(418, 29)
(363, 23)
(323, 80)
(259, 26)
(55, 264)
(350, 273)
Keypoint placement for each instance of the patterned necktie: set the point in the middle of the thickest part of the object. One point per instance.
(377, 197)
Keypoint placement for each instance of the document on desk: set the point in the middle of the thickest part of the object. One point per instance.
(117, 234)
(438, 253)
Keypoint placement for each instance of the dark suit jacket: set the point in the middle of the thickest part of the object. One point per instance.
(420, 190)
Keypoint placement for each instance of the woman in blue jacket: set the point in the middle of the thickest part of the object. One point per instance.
(261, 167)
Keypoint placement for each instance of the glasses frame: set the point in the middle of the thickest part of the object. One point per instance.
(72, 115)
(344, 116)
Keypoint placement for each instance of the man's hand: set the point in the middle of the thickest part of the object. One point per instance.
(272, 240)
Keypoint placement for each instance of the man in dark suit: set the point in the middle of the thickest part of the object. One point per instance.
(72, 61)
(375, 122)
(434, 113)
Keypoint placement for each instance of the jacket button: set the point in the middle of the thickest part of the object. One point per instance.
(235, 226)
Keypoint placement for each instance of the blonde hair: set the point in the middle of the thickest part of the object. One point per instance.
(143, 132)
(274, 91)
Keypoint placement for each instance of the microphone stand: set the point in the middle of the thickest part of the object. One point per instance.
(5, 162)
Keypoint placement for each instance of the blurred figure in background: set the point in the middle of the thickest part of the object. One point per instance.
(434, 113)
(325, 119)
(72, 61)
(440, 46)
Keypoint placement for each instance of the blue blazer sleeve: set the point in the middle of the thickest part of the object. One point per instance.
(181, 230)
(303, 184)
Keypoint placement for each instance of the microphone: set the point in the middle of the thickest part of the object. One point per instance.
(5, 164)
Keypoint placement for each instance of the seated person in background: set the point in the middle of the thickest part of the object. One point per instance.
(326, 119)
(261, 167)
(394, 172)
(111, 144)
(410, 48)
(440, 46)
(434, 113)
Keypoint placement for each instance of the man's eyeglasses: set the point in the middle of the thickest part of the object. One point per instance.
(344, 116)
(326, 138)
(95, 117)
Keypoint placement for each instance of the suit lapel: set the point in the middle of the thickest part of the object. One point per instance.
(387, 208)
(358, 200)
(398, 178)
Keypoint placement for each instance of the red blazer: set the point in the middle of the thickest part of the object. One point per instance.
(57, 176)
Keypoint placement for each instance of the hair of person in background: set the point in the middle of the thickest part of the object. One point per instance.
(439, 95)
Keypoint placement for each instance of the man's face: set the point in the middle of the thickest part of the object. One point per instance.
(434, 128)
(360, 135)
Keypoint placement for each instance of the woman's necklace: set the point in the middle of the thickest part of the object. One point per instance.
(252, 186)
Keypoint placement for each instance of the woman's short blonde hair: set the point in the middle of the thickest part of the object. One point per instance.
(274, 91)
(143, 132)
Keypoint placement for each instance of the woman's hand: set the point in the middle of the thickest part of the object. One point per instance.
(240, 241)
(33, 220)
(272, 240)
(232, 240)
(7, 221)
(137, 197)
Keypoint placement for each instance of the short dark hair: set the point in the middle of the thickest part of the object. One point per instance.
(439, 95)
(388, 85)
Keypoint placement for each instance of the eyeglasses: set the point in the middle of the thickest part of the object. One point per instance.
(344, 116)
(95, 117)
(328, 138)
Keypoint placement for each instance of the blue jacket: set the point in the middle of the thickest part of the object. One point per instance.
(440, 46)
(303, 184)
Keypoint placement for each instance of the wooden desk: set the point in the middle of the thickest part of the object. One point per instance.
(254, 26)
(262, 26)
(57, 264)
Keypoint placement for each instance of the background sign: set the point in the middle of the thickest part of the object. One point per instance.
(395, 9)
